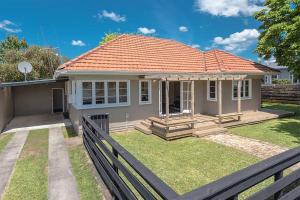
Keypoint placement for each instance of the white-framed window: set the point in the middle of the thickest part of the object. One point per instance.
(87, 93)
(123, 92)
(246, 89)
(104, 93)
(186, 96)
(145, 93)
(100, 92)
(212, 90)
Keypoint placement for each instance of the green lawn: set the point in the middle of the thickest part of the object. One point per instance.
(87, 185)
(184, 164)
(30, 176)
(4, 139)
(69, 132)
(284, 132)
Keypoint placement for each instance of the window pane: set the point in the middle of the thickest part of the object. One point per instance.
(87, 93)
(186, 104)
(247, 88)
(235, 89)
(122, 92)
(100, 93)
(144, 91)
(212, 89)
(112, 97)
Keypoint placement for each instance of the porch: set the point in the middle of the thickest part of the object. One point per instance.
(177, 117)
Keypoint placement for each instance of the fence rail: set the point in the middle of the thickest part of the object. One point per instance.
(281, 93)
(127, 178)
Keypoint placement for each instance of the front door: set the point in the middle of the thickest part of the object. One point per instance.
(179, 97)
(57, 100)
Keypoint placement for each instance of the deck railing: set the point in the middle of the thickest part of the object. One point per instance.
(127, 178)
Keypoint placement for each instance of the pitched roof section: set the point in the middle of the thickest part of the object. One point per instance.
(137, 53)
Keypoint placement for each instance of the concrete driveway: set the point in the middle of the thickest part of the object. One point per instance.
(33, 122)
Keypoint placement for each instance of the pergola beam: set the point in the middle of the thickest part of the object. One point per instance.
(193, 77)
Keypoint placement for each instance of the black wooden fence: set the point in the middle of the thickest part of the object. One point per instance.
(127, 178)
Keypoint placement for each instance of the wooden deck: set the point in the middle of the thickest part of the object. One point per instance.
(202, 125)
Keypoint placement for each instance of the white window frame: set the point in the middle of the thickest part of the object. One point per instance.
(149, 90)
(244, 89)
(79, 104)
(208, 91)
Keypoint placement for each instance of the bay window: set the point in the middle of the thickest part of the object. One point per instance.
(104, 93)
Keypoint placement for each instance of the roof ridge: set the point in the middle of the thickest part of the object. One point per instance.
(89, 52)
(218, 60)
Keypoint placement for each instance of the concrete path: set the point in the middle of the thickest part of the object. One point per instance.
(9, 157)
(61, 181)
(252, 146)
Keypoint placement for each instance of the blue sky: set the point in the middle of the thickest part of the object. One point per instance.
(75, 26)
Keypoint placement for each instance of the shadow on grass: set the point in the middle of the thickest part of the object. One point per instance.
(69, 132)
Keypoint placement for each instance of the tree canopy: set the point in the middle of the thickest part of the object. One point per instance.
(108, 37)
(280, 33)
(13, 51)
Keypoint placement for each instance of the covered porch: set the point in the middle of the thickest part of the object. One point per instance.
(177, 117)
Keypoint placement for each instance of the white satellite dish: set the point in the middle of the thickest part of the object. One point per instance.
(25, 67)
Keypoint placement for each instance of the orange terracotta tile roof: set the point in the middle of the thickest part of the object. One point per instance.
(142, 54)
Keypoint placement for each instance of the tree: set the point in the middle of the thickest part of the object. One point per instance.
(280, 33)
(108, 37)
(43, 60)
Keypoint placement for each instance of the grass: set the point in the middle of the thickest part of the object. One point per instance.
(284, 132)
(69, 132)
(184, 164)
(30, 176)
(87, 185)
(4, 139)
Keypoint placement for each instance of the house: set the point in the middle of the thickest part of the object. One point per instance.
(284, 74)
(135, 77)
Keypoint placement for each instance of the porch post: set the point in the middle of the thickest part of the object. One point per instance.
(220, 100)
(167, 100)
(239, 99)
(192, 98)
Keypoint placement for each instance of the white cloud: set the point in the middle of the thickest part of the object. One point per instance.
(78, 43)
(238, 41)
(183, 29)
(145, 30)
(230, 8)
(9, 26)
(196, 46)
(112, 15)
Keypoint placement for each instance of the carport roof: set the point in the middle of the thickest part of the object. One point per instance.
(34, 82)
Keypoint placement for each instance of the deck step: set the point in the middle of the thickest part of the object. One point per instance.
(143, 129)
(146, 123)
(202, 133)
(206, 125)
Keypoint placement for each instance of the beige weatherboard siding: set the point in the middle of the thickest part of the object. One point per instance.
(135, 112)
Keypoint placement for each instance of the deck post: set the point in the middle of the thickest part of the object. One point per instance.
(239, 99)
(167, 100)
(220, 100)
(192, 101)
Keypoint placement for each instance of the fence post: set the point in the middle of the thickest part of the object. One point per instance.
(278, 176)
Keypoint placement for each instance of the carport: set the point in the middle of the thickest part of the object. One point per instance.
(28, 98)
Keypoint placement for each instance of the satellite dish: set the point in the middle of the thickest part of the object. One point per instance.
(25, 67)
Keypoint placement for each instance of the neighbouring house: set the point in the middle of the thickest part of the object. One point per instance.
(134, 77)
(284, 74)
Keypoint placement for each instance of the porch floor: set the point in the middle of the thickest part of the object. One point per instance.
(202, 125)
